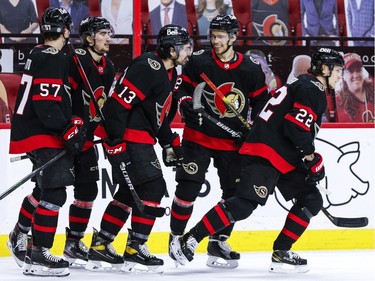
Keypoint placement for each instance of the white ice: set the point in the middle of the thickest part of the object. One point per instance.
(324, 265)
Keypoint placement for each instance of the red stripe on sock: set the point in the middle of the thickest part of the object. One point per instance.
(208, 225)
(290, 234)
(113, 220)
(77, 219)
(41, 228)
(143, 220)
(298, 220)
(180, 217)
(26, 213)
(222, 215)
(45, 212)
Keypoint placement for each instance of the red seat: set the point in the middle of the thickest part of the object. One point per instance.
(241, 9)
(341, 20)
(8, 93)
(295, 24)
(94, 8)
(41, 6)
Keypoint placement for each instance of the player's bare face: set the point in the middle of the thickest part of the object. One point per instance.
(336, 76)
(102, 39)
(219, 41)
(184, 54)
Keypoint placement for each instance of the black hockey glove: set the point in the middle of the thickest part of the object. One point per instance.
(315, 168)
(116, 152)
(173, 153)
(189, 114)
(74, 136)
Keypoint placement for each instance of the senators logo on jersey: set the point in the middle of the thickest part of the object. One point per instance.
(234, 95)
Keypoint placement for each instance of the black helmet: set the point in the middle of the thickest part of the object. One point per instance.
(328, 57)
(172, 35)
(55, 19)
(227, 23)
(90, 25)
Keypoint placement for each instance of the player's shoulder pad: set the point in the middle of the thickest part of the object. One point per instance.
(151, 61)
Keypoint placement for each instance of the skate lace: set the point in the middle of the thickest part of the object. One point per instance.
(81, 246)
(21, 241)
(145, 251)
(191, 243)
(48, 256)
(225, 246)
(112, 250)
(293, 255)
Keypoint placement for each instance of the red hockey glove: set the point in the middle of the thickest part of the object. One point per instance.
(173, 153)
(315, 168)
(116, 152)
(74, 137)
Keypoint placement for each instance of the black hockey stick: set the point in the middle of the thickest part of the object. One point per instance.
(225, 100)
(153, 211)
(197, 105)
(346, 222)
(32, 174)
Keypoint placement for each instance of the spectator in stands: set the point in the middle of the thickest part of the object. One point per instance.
(319, 18)
(301, 64)
(355, 100)
(5, 112)
(169, 11)
(270, 18)
(76, 9)
(206, 10)
(360, 20)
(120, 14)
(19, 17)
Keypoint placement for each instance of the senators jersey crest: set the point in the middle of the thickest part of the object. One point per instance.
(234, 95)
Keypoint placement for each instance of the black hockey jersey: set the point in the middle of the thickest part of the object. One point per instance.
(285, 130)
(137, 108)
(242, 82)
(101, 77)
(43, 105)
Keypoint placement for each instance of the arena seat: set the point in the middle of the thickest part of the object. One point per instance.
(341, 20)
(242, 11)
(146, 22)
(94, 8)
(191, 17)
(41, 6)
(295, 24)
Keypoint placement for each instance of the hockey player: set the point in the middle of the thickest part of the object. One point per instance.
(43, 127)
(278, 151)
(242, 81)
(135, 117)
(96, 34)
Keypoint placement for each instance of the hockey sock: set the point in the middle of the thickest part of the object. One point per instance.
(296, 223)
(226, 231)
(180, 215)
(113, 219)
(142, 225)
(79, 215)
(214, 221)
(45, 223)
(25, 216)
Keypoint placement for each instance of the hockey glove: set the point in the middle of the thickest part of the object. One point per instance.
(173, 153)
(189, 114)
(315, 168)
(74, 136)
(116, 152)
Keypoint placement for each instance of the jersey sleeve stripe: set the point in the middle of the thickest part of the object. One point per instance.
(308, 109)
(133, 88)
(47, 81)
(47, 98)
(258, 92)
(298, 123)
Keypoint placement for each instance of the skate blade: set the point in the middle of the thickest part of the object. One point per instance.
(278, 267)
(18, 261)
(177, 252)
(102, 266)
(39, 270)
(75, 263)
(137, 268)
(217, 262)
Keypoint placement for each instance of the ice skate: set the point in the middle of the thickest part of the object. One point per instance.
(220, 254)
(102, 255)
(183, 248)
(286, 261)
(75, 251)
(137, 258)
(42, 263)
(27, 262)
(171, 238)
(17, 245)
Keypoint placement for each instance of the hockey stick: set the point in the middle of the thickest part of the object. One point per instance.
(197, 105)
(346, 222)
(32, 174)
(225, 100)
(25, 156)
(153, 211)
